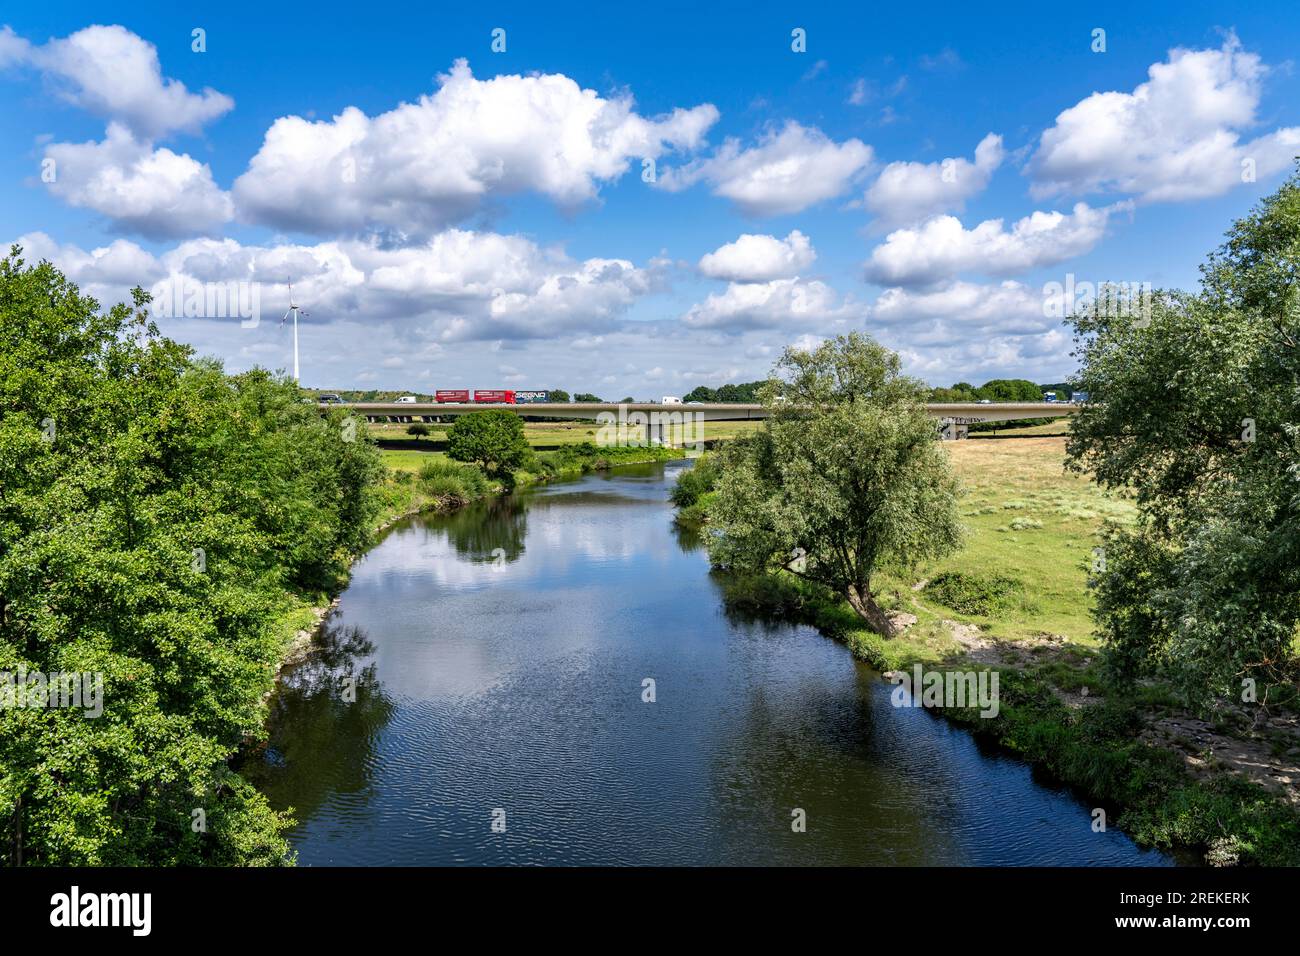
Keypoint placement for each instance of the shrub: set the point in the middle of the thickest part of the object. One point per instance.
(978, 594)
(695, 482)
(449, 479)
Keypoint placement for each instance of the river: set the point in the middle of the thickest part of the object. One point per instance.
(479, 699)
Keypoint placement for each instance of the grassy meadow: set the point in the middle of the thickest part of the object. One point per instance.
(1029, 520)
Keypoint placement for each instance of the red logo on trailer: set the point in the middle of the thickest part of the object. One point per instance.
(452, 395)
(495, 396)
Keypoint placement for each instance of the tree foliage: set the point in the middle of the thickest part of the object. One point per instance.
(995, 390)
(153, 513)
(743, 393)
(1195, 412)
(493, 440)
(845, 476)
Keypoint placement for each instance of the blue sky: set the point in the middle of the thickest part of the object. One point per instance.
(501, 231)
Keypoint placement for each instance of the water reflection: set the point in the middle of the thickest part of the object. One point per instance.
(490, 530)
(326, 719)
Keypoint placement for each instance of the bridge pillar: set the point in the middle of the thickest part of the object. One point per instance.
(654, 433)
(949, 430)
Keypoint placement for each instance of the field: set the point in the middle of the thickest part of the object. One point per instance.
(1030, 520)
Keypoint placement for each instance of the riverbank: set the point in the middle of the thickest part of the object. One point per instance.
(1223, 785)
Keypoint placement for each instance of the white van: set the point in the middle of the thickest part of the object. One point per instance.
(670, 400)
(406, 400)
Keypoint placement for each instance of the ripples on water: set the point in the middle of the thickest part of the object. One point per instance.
(498, 655)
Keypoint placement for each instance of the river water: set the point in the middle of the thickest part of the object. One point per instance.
(484, 672)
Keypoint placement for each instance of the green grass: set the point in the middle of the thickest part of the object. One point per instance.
(1027, 520)
(977, 593)
(409, 459)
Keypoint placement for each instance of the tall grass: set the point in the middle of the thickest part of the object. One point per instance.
(453, 481)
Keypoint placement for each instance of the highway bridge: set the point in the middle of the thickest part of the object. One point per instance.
(953, 418)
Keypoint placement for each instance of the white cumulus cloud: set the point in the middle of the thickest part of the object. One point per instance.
(429, 163)
(154, 192)
(759, 258)
(942, 248)
(458, 286)
(788, 171)
(113, 73)
(1175, 137)
(909, 192)
(780, 304)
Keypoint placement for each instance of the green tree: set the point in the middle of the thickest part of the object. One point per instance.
(1010, 390)
(737, 393)
(155, 515)
(418, 430)
(701, 393)
(1193, 408)
(961, 392)
(843, 479)
(557, 395)
(587, 397)
(493, 440)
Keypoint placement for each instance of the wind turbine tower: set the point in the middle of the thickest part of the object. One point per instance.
(293, 308)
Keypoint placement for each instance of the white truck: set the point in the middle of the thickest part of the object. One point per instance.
(670, 400)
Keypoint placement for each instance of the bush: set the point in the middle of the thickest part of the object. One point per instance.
(977, 594)
(695, 482)
(450, 479)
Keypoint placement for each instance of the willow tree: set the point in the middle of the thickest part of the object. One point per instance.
(1194, 409)
(845, 476)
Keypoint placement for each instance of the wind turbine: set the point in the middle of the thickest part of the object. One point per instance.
(295, 310)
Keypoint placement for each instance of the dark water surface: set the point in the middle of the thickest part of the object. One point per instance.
(498, 655)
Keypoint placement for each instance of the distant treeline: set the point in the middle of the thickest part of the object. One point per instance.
(999, 390)
(746, 393)
(996, 390)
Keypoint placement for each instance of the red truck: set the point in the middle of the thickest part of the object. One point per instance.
(495, 396)
(452, 395)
